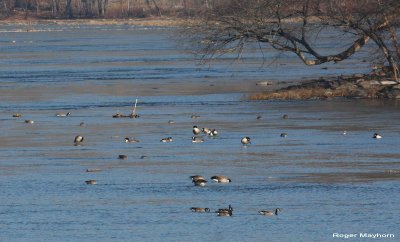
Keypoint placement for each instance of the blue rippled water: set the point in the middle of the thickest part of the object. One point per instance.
(324, 181)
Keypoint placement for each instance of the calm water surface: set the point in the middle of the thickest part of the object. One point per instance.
(325, 181)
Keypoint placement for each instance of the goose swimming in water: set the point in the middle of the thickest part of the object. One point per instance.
(122, 157)
(221, 179)
(29, 121)
(78, 139)
(197, 177)
(225, 211)
(131, 140)
(206, 130)
(199, 182)
(165, 140)
(197, 140)
(63, 114)
(245, 140)
(377, 136)
(91, 182)
(200, 210)
(270, 213)
(196, 130)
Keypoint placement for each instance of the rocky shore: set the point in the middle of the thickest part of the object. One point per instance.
(375, 85)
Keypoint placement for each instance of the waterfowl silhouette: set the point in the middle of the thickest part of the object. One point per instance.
(93, 170)
(131, 140)
(197, 177)
(165, 140)
(283, 135)
(91, 182)
(225, 211)
(285, 116)
(270, 213)
(195, 116)
(63, 114)
(78, 139)
(377, 136)
(196, 130)
(197, 140)
(122, 157)
(221, 179)
(245, 140)
(199, 182)
(120, 115)
(206, 130)
(29, 121)
(17, 115)
(200, 210)
(214, 132)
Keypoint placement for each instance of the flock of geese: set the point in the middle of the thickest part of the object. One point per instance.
(226, 212)
(197, 180)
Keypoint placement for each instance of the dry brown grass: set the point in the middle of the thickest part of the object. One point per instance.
(301, 93)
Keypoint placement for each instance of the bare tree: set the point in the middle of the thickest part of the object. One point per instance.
(294, 25)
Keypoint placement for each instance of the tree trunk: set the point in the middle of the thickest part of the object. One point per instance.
(157, 8)
(68, 9)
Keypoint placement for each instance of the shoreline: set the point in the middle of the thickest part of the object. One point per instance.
(146, 22)
(375, 85)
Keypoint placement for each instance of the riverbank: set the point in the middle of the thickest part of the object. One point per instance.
(149, 21)
(375, 85)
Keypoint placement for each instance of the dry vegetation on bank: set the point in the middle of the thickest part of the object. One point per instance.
(375, 85)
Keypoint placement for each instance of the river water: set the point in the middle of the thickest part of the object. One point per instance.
(324, 181)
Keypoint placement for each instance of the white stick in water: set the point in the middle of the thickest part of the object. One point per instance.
(134, 108)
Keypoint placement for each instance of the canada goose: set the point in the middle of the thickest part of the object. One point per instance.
(195, 116)
(17, 115)
(29, 121)
(196, 130)
(214, 132)
(200, 210)
(131, 140)
(82, 124)
(197, 177)
(259, 117)
(168, 139)
(93, 170)
(377, 136)
(63, 114)
(120, 115)
(245, 140)
(199, 182)
(270, 213)
(78, 139)
(285, 116)
(225, 211)
(197, 140)
(91, 182)
(284, 135)
(230, 208)
(206, 130)
(122, 157)
(221, 179)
